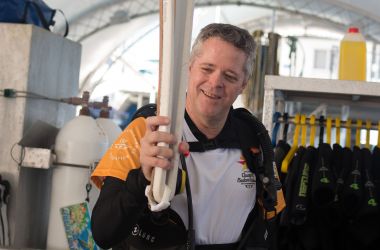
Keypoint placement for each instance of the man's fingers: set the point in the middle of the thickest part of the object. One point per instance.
(161, 151)
(159, 162)
(154, 146)
(158, 136)
(153, 122)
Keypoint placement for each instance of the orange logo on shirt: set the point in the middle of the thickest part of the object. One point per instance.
(243, 162)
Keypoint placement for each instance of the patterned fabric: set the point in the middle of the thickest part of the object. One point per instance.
(123, 155)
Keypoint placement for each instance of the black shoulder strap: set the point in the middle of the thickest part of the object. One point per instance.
(243, 126)
(257, 231)
(248, 131)
(146, 111)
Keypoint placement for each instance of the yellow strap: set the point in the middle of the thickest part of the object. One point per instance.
(368, 125)
(183, 180)
(378, 135)
(337, 131)
(348, 133)
(297, 130)
(312, 130)
(328, 129)
(359, 125)
(303, 130)
(288, 158)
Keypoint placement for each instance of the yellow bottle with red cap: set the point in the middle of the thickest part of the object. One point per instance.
(353, 56)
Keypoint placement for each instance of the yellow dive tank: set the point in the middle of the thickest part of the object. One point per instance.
(353, 59)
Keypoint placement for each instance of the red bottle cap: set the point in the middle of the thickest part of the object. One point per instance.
(353, 30)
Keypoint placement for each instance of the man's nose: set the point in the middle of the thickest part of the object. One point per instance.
(216, 79)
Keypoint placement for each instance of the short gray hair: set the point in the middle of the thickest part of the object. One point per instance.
(238, 37)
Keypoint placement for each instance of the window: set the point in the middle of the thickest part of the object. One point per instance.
(320, 59)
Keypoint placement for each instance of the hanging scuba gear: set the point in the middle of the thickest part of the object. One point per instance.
(378, 134)
(301, 195)
(322, 180)
(376, 170)
(363, 227)
(370, 204)
(323, 183)
(352, 193)
(337, 166)
(376, 163)
(282, 148)
(290, 183)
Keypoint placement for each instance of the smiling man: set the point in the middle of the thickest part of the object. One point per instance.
(222, 164)
(217, 76)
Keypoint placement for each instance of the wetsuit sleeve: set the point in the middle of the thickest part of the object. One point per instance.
(123, 155)
(122, 185)
(118, 208)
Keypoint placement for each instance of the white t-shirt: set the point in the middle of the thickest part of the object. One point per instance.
(223, 193)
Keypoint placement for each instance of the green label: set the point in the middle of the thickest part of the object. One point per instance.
(372, 202)
(324, 180)
(354, 186)
(304, 181)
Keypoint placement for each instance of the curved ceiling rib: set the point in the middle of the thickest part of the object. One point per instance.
(338, 12)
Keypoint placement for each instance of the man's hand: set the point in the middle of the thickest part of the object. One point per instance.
(152, 155)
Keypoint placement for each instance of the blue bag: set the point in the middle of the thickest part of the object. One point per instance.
(29, 12)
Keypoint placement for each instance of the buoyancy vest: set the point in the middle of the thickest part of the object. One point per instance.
(376, 171)
(323, 181)
(353, 187)
(301, 197)
(257, 150)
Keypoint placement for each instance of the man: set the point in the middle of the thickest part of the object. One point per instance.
(223, 189)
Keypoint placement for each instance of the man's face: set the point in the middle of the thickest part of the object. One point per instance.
(216, 78)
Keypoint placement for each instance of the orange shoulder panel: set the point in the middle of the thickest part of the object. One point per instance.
(123, 155)
(281, 204)
(278, 207)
